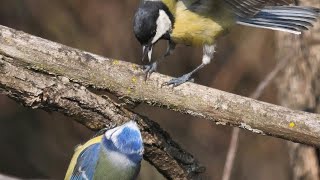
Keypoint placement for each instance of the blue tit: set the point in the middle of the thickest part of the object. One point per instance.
(116, 154)
(201, 22)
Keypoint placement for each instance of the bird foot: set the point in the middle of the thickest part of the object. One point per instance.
(149, 69)
(178, 81)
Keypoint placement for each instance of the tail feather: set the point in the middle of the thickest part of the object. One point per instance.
(293, 19)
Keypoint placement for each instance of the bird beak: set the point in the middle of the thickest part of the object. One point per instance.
(147, 51)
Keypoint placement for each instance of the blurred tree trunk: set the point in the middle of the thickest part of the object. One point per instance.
(299, 88)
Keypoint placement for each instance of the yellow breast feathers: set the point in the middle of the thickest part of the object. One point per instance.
(196, 28)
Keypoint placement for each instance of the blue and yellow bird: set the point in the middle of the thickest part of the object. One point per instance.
(116, 154)
(201, 22)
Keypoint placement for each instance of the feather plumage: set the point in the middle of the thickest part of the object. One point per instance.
(293, 19)
(201, 22)
(249, 8)
(116, 154)
(84, 155)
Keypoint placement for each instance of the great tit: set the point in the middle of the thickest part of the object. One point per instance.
(116, 154)
(201, 22)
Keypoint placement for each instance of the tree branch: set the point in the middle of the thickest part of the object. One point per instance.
(37, 90)
(124, 79)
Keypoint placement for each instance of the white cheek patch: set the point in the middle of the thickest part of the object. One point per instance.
(163, 25)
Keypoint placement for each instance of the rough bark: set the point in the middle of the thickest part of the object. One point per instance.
(299, 89)
(37, 90)
(125, 80)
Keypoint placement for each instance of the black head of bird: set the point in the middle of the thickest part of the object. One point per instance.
(153, 21)
(201, 22)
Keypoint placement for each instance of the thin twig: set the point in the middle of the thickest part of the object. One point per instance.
(270, 77)
(233, 147)
(231, 154)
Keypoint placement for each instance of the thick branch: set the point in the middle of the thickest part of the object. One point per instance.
(125, 80)
(37, 90)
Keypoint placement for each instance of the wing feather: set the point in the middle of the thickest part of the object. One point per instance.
(242, 8)
(85, 158)
(249, 8)
(86, 163)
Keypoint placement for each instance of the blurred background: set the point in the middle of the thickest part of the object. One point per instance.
(38, 144)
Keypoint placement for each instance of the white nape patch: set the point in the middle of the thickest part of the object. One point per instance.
(163, 25)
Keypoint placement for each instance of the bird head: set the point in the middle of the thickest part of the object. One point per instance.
(153, 21)
(126, 139)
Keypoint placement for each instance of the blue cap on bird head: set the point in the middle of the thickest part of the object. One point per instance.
(126, 138)
(153, 21)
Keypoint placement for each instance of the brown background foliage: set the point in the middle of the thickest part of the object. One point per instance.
(37, 144)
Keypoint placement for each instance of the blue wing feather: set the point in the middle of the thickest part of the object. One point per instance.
(86, 163)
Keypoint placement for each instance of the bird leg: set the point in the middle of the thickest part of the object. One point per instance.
(149, 69)
(208, 51)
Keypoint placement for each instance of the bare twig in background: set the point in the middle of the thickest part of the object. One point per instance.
(233, 147)
(270, 77)
(299, 88)
(124, 80)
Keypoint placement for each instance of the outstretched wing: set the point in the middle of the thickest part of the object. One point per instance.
(248, 8)
(242, 8)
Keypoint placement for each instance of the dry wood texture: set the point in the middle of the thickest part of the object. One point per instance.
(50, 93)
(125, 80)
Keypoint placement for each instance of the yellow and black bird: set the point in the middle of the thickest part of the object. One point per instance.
(201, 22)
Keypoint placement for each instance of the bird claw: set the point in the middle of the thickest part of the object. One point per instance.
(178, 81)
(149, 69)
